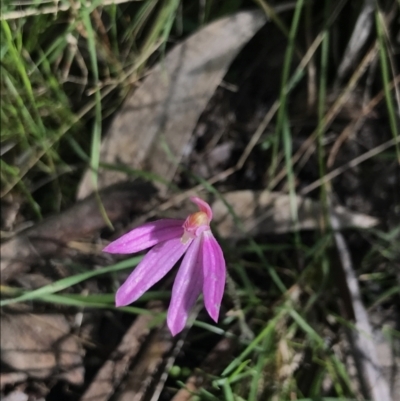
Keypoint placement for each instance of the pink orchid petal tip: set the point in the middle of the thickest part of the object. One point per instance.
(203, 206)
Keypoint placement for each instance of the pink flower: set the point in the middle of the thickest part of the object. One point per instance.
(202, 268)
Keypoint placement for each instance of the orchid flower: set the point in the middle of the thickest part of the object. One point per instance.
(202, 268)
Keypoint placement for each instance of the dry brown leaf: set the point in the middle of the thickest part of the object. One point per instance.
(166, 107)
(40, 346)
(264, 212)
(16, 396)
(84, 218)
(11, 378)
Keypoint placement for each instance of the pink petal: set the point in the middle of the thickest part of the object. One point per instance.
(154, 266)
(187, 287)
(214, 271)
(147, 235)
(203, 206)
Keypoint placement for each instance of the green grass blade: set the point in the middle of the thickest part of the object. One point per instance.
(96, 133)
(322, 109)
(285, 76)
(267, 331)
(69, 301)
(386, 79)
(70, 281)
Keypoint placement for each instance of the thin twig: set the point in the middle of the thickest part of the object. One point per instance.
(352, 163)
(357, 122)
(274, 108)
(308, 147)
(174, 200)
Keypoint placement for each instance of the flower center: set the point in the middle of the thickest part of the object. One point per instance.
(193, 223)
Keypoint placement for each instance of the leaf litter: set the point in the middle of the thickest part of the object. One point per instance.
(225, 126)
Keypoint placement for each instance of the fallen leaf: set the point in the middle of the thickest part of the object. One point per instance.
(164, 110)
(16, 396)
(264, 212)
(10, 378)
(52, 235)
(41, 345)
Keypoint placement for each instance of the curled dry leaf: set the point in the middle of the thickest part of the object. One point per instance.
(165, 108)
(40, 346)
